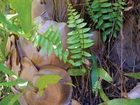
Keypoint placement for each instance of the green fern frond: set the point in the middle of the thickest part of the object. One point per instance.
(51, 41)
(78, 39)
(107, 16)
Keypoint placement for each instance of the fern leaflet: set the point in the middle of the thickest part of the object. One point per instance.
(78, 38)
(51, 41)
(107, 16)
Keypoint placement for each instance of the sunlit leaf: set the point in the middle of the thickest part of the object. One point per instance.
(133, 75)
(11, 83)
(105, 4)
(65, 56)
(94, 75)
(23, 8)
(104, 75)
(14, 99)
(122, 102)
(11, 16)
(103, 95)
(10, 26)
(6, 100)
(94, 79)
(70, 84)
(76, 56)
(45, 80)
(76, 72)
(86, 54)
(6, 70)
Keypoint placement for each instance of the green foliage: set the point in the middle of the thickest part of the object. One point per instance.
(122, 102)
(98, 74)
(78, 40)
(7, 71)
(95, 76)
(45, 80)
(23, 8)
(11, 99)
(104, 75)
(14, 99)
(11, 83)
(107, 16)
(50, 41)
(4, 91)
(11, 74)
(24, 19)
(108, 19)
(3, 4)
(8, 25)
(75, 71)
(103, 95)
(3, 41)
(133, 75)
